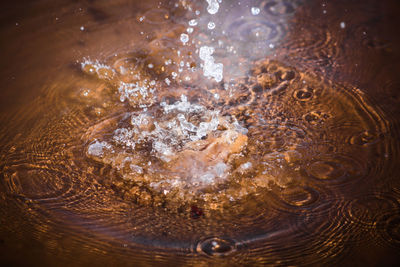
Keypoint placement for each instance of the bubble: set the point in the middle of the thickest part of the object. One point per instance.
(304, 94)
(184, 38)
(216, 246)
(213, 6)
(192, 22)
(299, 196)
(255, 11)
(211, 25)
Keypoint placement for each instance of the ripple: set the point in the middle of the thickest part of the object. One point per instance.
(388, 226)
(365, 210)
(335, 168)
(305, 134)
(307, 228)
(156, 16)
(28, 183)
(299, 196)
(255, 38)
(255, 30)
(365, 138)
(316, 117)
(311, 46)
(304, 94)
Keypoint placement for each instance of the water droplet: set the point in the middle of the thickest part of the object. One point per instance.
(255, 11)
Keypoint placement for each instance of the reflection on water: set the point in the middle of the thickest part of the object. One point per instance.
(191, 132)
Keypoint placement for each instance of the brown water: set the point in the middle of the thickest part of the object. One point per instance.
(112, 152)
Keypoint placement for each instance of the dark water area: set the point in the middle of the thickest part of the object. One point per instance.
(157, 133)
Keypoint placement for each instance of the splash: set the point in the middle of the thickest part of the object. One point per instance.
(210, 68)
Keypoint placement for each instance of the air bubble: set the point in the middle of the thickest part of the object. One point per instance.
(213, 6)
(255, 11)
(192, 22)
(211, 25)
(216, 246)
(184, 38)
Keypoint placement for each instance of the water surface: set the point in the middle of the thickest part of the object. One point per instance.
(131, 134)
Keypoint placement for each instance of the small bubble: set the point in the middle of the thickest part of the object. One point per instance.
(192, 22)
(189, 30)
(255, 11)
(216, 246)
(342, 25)
(82, 28)
(184, 38)
(211, 25)
(150, 66)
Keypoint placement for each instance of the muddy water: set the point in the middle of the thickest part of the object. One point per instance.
(120, 145)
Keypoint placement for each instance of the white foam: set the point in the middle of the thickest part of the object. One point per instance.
(95, 67)
(135, 92)
(124, 137)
